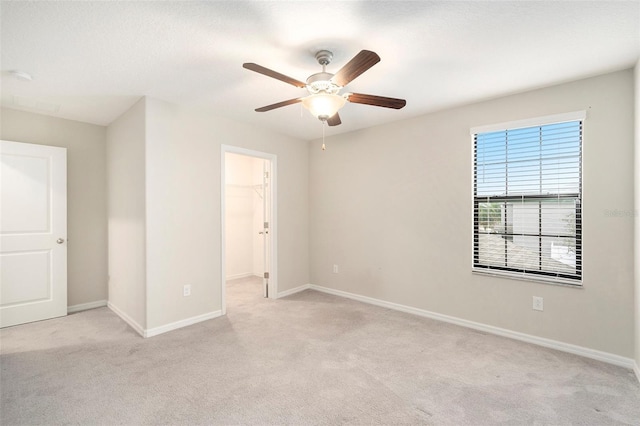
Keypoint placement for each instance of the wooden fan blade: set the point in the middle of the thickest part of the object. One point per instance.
(381, 101)
(335, 120)
(278, 105)
(270, 73)
(356, 66)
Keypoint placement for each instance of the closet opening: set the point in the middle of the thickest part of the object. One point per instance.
(248, 227)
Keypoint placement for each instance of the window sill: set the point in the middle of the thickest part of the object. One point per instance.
(519, 277)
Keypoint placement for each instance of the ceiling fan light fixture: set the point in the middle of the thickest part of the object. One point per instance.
(323, 105)
(324, 100)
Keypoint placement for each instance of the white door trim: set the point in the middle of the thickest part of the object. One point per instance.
(273, 225)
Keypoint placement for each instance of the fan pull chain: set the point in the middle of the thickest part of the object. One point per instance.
(323, 124)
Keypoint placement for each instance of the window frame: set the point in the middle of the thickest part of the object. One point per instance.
(523, 274)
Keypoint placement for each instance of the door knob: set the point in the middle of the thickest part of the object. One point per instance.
(60, 240)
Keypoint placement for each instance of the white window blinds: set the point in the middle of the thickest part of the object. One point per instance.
(527, 201)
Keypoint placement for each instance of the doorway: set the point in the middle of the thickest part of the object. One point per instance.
(248, 200)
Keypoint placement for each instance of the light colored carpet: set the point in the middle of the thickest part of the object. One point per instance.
(310, 358)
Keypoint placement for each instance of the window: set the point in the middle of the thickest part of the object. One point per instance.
(527, 199)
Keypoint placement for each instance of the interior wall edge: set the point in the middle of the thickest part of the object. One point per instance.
(125, 159)
(126, 318)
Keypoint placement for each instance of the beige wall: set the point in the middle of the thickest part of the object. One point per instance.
(183, 208)
(86, 195)
(637, 217)
(126, 212)
(391, 206)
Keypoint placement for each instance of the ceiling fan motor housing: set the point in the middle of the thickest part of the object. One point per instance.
(321, 82)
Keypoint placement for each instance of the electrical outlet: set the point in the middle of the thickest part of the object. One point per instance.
(186, 290)
(335, 269)
(538, 303)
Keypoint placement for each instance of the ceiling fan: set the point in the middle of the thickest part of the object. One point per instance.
(324, 99)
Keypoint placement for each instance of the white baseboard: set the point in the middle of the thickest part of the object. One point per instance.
(85, 306)
(541, 341)
(636, 369)
(163, 328)
(238, 276)
(293, 290)
(126, 318)
(182, 323)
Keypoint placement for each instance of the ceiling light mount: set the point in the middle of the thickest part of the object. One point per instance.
(324, 57)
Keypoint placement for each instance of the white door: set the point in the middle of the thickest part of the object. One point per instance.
(33, 232)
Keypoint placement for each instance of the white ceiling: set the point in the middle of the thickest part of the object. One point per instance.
(91, 61)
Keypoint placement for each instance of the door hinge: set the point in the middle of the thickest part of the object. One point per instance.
(266, 225)
(266, 175)
(266, 275)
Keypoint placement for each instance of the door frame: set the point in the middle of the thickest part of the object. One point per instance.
(273, 224)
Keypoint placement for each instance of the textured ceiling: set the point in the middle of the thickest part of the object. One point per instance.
(91, 61)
